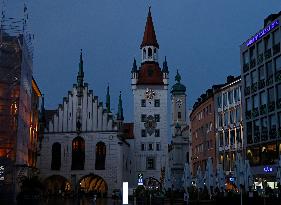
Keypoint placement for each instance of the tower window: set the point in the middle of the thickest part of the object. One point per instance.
(157, 103)
(143, 117)
(150, 163)
(158, 147)
(149, 53)
(144, 53)
(157, 133)
(143, 133)
(157, 118)
(143, 103)
(142, 147)
(179, 115)
(150, 146)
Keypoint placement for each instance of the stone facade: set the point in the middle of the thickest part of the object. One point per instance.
(82, 116)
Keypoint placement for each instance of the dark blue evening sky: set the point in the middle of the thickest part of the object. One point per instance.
(200, 38)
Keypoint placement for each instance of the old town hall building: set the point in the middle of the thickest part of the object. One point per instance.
(86, 147)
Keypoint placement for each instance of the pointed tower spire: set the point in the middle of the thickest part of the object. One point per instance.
(178, 77)
(42, 111)
(80, 76)
(120, 109)
(165, 66)
(149, 37)
(107, 100)
(134, 68)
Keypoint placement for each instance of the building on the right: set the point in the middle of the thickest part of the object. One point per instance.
(261, 100)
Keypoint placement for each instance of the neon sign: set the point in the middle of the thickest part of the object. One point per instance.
(263, 32)
(267, 169)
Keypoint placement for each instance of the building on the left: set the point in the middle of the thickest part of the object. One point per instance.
(84, 148)
(19, 111)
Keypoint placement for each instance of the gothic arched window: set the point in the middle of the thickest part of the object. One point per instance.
(149, 53)
(78, 153)
(56, 156)
(100, 155)
(143, 53)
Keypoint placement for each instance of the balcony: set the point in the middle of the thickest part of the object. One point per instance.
(254, 87)
(255, 112)
(272, 133)
(261, 84)
(248, 115)
(253, 63)
(267, 53)
(271, 106)
(246, 67)
(248, 90)
(260, 59)
(263, 109)
(278, 76)
(276, 48)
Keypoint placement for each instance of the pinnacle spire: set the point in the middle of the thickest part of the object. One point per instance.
(165, 66)
(80, 76)
(107, 100)
(120, 108)
(149, 36)
(178, 77)
(134, 68)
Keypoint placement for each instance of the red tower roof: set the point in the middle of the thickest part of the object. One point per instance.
(150, 74)
(149, 36)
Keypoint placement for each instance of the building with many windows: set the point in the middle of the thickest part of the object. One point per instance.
(202, 122)
(228, 123)
(261, 95)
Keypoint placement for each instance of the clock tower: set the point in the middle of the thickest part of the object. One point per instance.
(150, 93)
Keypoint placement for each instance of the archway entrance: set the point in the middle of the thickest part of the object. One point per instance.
(57, 185)
(93, 184)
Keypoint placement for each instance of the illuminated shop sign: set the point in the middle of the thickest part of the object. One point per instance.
(140, 179)
(263, 32)
(267, 169)
(2, 169)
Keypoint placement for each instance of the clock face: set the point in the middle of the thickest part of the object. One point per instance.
(179, 102)
(149, 94)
